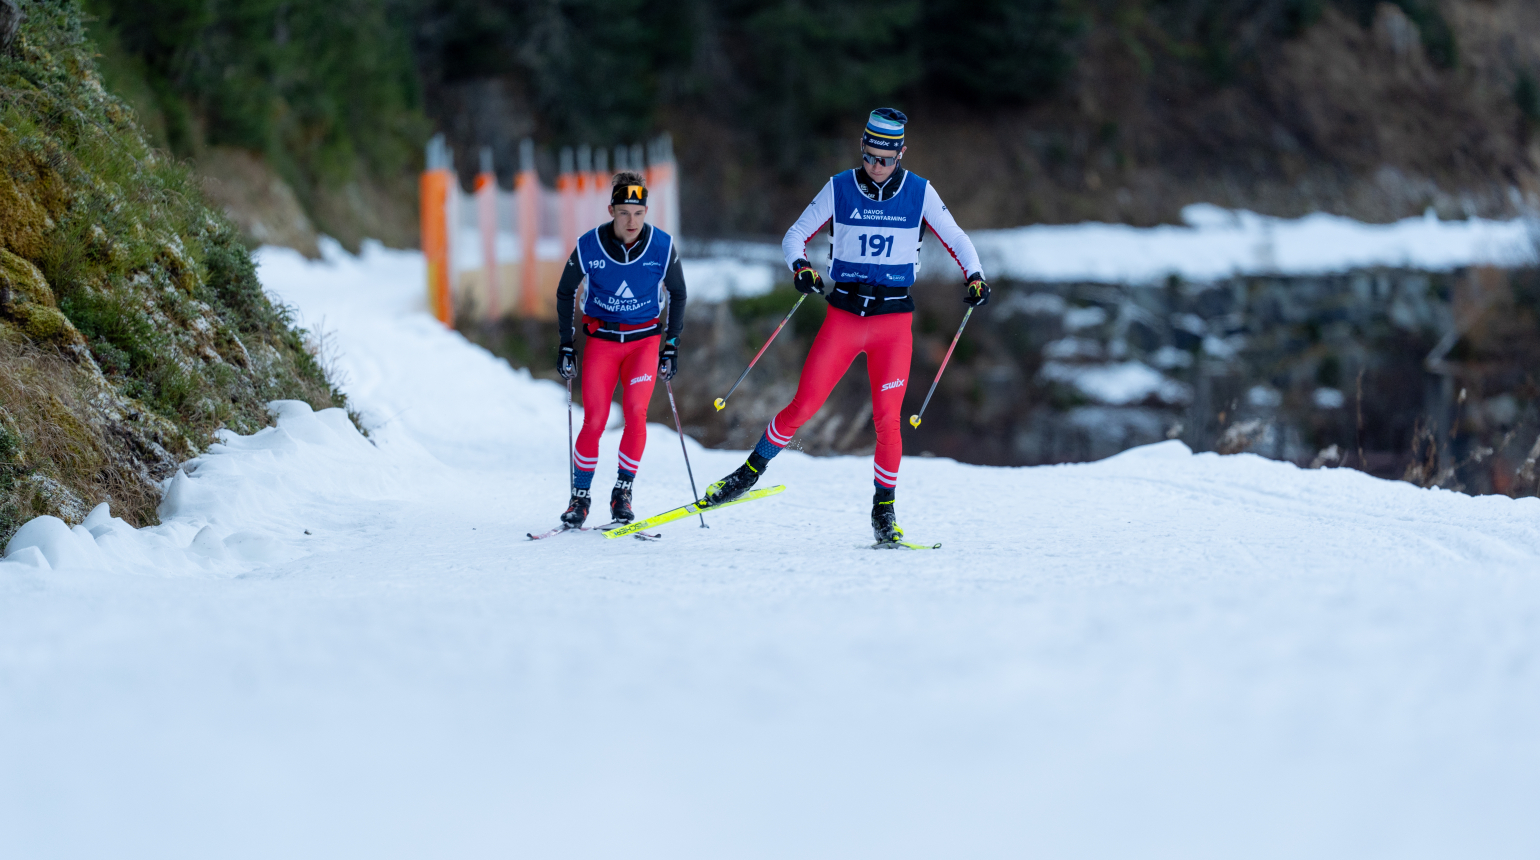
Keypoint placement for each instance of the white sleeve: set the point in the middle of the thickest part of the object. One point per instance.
(952, 237)
(817, 214)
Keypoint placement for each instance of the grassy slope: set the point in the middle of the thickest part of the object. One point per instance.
(325, 94)
(132, 325)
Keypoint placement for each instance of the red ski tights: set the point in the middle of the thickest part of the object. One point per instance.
(635, 366)
(887, 341)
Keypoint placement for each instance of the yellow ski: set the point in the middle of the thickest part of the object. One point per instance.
(690, 510)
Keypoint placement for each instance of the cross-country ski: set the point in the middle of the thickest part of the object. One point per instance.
(691, 510)
(901, 544)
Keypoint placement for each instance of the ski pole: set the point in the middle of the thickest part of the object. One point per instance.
(914, 420)
(721, 402)
(571, 467)
(669, 384)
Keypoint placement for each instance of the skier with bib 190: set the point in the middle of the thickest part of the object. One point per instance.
(634, 278)
(880, 211)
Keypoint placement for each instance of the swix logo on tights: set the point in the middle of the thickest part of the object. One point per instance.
(889, 386)
(643, 378)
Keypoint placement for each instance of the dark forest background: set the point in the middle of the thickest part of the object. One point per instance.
(1025, 110)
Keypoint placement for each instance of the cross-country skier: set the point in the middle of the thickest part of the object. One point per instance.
(628, 264)
(880, 211)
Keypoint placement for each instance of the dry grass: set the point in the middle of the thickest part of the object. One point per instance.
(54, 458)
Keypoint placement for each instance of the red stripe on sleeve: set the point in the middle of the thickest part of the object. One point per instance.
(948, 249)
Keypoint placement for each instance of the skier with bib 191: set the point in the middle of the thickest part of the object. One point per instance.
(634, 277)
(880, 212)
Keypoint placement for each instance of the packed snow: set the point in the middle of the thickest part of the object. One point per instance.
(1211, 243)
(1216, 243)
(339, 646)
(1118, 384)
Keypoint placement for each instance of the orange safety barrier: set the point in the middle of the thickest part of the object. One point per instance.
(531, 219)
(486, 212)
(660, 206)
(527, 187)
(569, 192)
(434, 191)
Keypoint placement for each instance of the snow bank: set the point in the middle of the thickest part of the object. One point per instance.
(1214, 243)
(247, 500)
(1217, 243)
(1120, 384)
(716, 279)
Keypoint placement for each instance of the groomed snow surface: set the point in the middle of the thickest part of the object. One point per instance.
(339, 647)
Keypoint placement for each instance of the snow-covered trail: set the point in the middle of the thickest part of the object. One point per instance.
(1157, 655)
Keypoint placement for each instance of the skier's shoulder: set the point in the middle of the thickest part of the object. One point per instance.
(659, 234)
(913, 182)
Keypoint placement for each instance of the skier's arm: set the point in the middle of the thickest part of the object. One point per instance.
(952, 237)
(674, 281)
(817, 214)
(566, 291)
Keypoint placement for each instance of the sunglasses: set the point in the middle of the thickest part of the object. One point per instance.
(879, 160)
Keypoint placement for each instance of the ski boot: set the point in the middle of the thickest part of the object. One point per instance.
(620, 503)
(577, 512)
(738, 483)
(884, 518)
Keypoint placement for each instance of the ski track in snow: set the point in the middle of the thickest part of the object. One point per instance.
(1156, 655)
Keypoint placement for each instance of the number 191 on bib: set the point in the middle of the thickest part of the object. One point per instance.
(876, 246)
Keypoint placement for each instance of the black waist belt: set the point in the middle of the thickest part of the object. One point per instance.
(618, 332)
(870, 299)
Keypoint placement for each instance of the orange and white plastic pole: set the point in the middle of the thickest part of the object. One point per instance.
(599, 189)
(663, 185)
(486, 217)
(568, 183)
(436, 196)
(527, 187)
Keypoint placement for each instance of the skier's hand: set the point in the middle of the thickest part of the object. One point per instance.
(566, 361)
(668, 359)
(808, 280)
(977, 293)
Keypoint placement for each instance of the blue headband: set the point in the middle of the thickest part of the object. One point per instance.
(885, 129)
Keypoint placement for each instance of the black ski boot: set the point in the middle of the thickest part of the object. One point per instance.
(620, 503)
(884, 518)
(577, 512)
(738, 483)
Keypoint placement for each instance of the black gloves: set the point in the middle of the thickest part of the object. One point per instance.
(566, 361)
(667, 359)
(977, 293)
(808, 280)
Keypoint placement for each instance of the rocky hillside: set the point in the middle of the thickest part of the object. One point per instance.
(302, 117)
(132, 325)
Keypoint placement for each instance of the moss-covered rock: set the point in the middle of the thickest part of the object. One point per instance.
(132, 325)
(28, 304)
